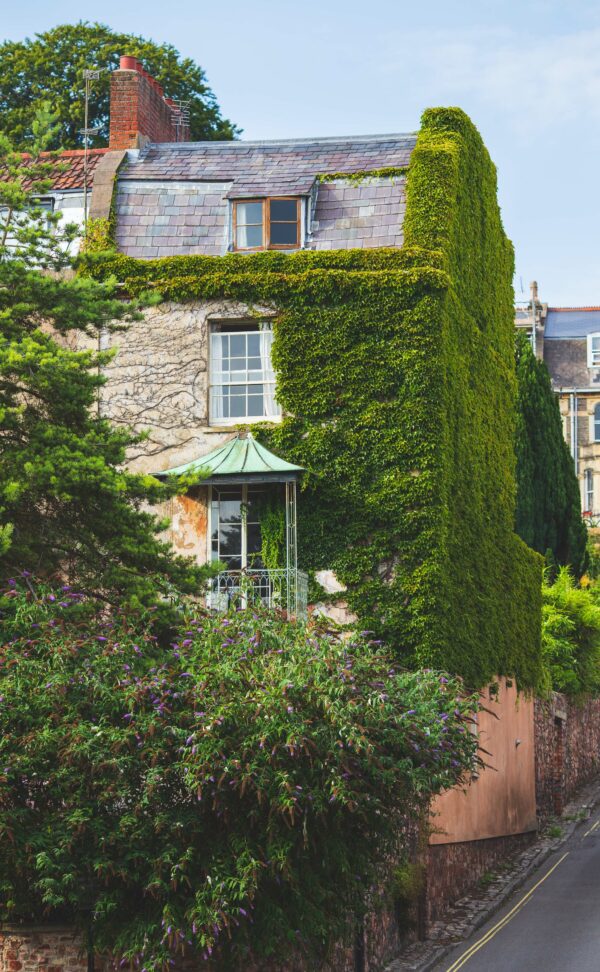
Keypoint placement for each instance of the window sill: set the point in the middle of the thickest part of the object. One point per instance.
(242, 424)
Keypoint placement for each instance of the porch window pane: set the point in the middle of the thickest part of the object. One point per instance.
(254, 545)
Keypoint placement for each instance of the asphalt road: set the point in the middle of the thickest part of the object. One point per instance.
(551, 924)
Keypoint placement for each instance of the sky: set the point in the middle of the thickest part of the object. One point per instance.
(527, 73)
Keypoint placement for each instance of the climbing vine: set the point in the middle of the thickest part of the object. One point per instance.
(395, 368)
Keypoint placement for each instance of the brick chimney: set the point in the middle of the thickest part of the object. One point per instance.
(139, 111)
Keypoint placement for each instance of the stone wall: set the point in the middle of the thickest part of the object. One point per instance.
(41, 949)
(567, 747)
(158, 381)
(454, 869)
(51, 949)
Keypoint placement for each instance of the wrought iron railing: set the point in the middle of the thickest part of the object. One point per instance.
(282, 588)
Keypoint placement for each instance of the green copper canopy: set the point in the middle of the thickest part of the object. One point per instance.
(242, 459)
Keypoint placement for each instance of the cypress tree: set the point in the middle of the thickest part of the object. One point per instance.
(548, 514)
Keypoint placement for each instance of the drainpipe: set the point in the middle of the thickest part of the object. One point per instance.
(573, 424)
(534, 300)
(575, 449)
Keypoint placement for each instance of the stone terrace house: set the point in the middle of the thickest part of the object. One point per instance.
(567, 339)
(333, 350)
(190, 376)
(315, 354)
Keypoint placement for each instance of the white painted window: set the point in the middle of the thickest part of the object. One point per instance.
(593, 350)
(588, 490)
(242, 381)
(597, 423)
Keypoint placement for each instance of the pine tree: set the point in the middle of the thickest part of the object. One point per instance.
(68, 507)
(548, 515)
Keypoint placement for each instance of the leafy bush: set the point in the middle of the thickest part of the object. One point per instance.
(571, 635)
(240, 789)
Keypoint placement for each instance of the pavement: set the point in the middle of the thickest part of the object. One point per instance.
(539, 912)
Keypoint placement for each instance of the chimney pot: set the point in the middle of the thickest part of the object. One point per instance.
(127, 63)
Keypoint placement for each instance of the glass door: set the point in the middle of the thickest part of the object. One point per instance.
(235, 527)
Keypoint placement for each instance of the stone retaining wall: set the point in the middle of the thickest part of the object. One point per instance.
(454, 869)
(41, 949)
(567, 749)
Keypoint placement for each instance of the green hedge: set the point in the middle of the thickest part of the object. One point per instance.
(397, 369)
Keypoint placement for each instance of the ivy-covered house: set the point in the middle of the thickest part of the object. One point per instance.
(333, 351)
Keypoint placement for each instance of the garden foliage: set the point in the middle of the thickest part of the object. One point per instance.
(243, 787)
(548, 514)
(396, 372)
(571, 636)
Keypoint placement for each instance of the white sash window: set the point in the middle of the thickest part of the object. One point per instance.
(242, 381)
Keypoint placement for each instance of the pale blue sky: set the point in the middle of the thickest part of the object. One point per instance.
(527, 73)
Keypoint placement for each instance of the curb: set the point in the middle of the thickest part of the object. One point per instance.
(588, 799)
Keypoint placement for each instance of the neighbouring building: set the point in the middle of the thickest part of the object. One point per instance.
(567, 339)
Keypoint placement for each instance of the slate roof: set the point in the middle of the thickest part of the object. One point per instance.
(270, 168)
(72, 176)
(571, 322)
(175, 198)
(565, 346)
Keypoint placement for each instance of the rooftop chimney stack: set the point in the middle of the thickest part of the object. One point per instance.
(139, 111)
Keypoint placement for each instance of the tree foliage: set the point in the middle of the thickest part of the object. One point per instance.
(49, 69)
(67, 504)
(548, 515)
(571, 635)
(241, 789)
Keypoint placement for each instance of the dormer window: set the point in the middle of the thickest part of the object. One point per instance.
(267, 224)
(593, 350)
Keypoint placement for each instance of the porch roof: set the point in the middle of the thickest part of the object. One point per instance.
(242, 459)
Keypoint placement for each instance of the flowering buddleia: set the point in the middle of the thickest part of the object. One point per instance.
(242, 789)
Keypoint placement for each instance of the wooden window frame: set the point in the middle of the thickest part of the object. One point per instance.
(266, 224)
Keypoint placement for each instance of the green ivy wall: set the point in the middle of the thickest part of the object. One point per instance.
(396, 368)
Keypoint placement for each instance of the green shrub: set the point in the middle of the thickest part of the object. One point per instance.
(241, 789)
(571, 636)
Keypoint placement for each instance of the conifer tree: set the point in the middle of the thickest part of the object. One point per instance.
(548, 515)
(68, 507)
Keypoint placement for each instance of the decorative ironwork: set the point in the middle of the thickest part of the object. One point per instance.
(283, 588)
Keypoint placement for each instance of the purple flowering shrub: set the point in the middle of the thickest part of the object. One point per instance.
(237, 790)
